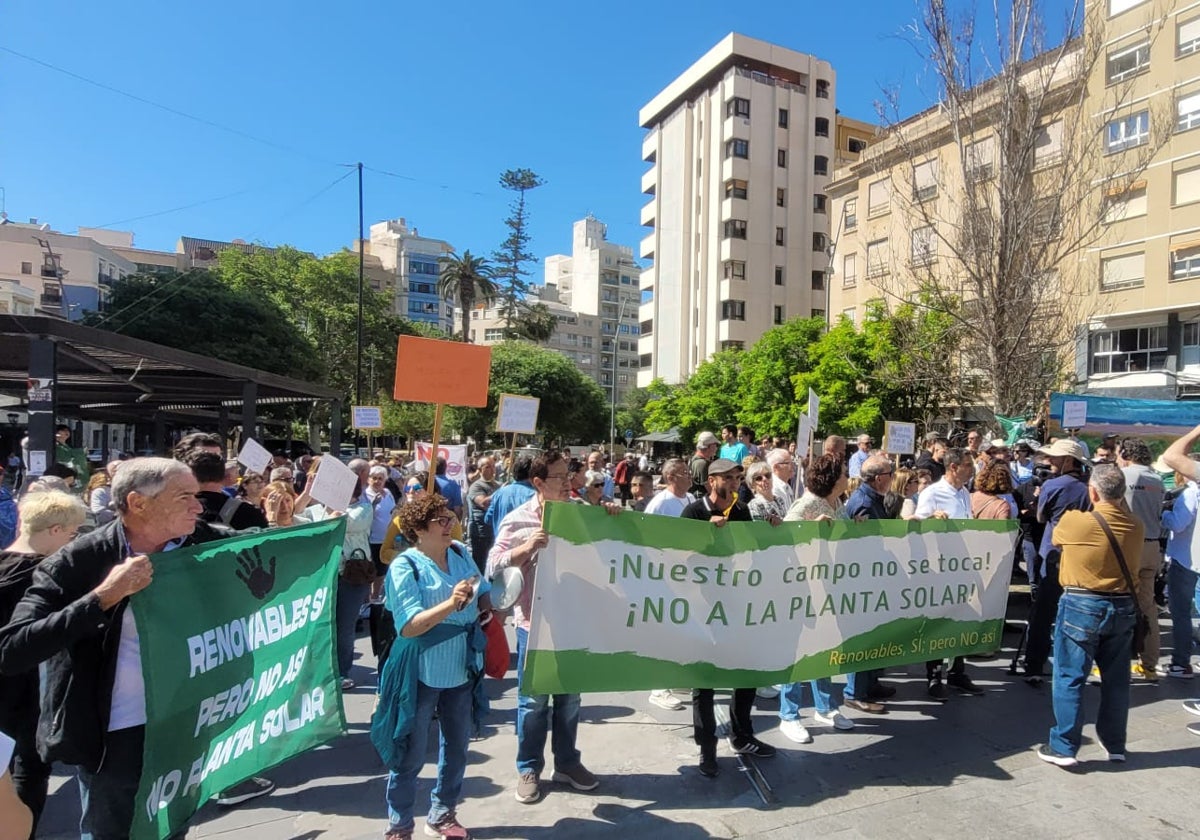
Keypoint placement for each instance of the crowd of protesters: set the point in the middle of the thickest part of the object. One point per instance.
(417, 564)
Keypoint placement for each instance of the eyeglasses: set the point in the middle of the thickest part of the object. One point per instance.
(761, 477)
(444, 520)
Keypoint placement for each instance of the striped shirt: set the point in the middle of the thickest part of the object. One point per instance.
(516, 528)
(445, 664)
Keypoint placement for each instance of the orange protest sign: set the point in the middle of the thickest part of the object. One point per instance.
(429, 370)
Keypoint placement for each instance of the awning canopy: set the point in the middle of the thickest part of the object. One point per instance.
(670, 436)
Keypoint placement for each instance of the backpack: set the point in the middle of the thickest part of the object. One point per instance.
(229, 509)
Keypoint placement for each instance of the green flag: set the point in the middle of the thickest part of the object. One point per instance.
(239, 662)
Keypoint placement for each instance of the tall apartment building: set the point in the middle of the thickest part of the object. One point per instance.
(600, 279)
(412, 259)
(741, 146)
(1138, 298)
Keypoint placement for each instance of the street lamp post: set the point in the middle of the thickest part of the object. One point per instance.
(612, 418)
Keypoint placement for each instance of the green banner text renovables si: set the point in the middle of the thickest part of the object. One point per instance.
(636, 601)
(239, 664)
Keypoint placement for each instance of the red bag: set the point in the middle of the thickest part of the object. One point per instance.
(495, 655)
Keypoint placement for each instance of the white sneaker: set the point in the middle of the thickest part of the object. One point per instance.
(794, 730)
(767, 692)
(664, 698)
(835, 719)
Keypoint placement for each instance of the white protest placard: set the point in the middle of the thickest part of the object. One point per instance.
(334, 484)
(254, 456)
(1074, 414)
(456, 460)
(901, 437)
(814, 406)
(517, 414)
(803, 435)
(366, 417)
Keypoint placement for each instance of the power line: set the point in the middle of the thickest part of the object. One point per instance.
(179, 209)
(305, 202)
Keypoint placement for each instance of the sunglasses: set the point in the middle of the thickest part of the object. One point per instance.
(413, 488)
(597, 486)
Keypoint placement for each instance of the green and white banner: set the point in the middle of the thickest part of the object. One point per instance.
(637, 601)
(239, 663)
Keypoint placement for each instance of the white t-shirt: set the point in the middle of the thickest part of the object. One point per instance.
(666, 503)
(941, 495)
(6, 750)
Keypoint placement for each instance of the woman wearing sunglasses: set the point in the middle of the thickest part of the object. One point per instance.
(593, 489)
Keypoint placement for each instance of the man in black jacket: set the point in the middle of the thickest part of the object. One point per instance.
(75, 618)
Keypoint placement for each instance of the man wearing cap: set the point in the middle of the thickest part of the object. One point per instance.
(933, 455)
(860, 455)
(706, 450)
(1066, 490)
(718, 507)
(1144, 493)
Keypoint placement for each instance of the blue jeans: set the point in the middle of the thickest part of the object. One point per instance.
(1092, 628)
(107, 796)
(453, 707)
(791, 698)
(536, 718)
(349, 600)
(858, 686)
(1181, 595)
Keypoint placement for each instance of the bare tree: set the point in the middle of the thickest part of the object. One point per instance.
(1006, 186)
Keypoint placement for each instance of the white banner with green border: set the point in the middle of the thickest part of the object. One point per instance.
(635, 601)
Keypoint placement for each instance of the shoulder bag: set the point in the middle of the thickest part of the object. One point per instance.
(1142, 626)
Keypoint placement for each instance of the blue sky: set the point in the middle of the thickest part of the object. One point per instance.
(446, 95)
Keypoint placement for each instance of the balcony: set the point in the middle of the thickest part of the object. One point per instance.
(733, 249)
(648, 214)
(650, 146)
(650, 181)
(735, 167)
(646, 249)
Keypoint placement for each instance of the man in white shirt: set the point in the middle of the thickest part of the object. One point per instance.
(783, 470)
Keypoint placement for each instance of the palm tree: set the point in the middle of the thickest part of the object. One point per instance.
(466, 280)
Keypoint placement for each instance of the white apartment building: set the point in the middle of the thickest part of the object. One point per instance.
(741, 146)
(69, 275)
(413, 261)
(600, 280)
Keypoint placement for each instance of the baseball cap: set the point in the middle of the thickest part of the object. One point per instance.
(721, 466)
(706, 439)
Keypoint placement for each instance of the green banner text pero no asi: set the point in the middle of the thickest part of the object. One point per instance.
(637, 601)
(238, 653)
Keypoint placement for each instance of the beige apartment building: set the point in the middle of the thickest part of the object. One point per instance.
(740, 147)
(1136, 286)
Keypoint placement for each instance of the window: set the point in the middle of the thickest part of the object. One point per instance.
(781, 157)
(572, 339)
(924, 245)
(819, 203)
(1127, 271)
(1128, 62)
(1121, 203)
(493, 334)
(1185, 260)
(877, 258)
(1127, 132)
(1129, 350)
(818, 281)
(778, 314)
(1191, 345)
(851, 213)
(856, 145)
(737, 107)
(737, 148)
(1047, 144)
(1115, 7)
(779, 281)
(422, 267)
(779, 236)
(735, 270)
(780, 197)
(849, 270)
(622, 378)
(820, 165)
(27, 268)
(879, 198)
(1186, 186)
(733, 345)
(735, 189)
(1046, 221)
(733, 310)
(735, 229)
(818, 313)
(783, 118)
(821, 126)
(588, 341)
(1188, 109)
(849, 314)
(925, 181)
(822, 89)
(1187, 37)
(980, 159)
(820, 242)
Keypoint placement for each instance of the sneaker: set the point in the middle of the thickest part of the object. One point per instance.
(835, 719)
(1194, 728)
(448, 827)
(767, 692)
(881, 691)
(865, 706)
(398, 834)
(529, 788)
(708, 762)
(751, 746)
(1058, 759)
(664, 698)
(1192, 706)
(252, 788)
(347, 684)
(937, 690)
(1139, 671)
(578, 777)
(964, 684)
(795, 731)
(1116, 757)
(1179, 672)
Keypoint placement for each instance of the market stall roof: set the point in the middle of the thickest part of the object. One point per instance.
(103, 375)
(670, 436)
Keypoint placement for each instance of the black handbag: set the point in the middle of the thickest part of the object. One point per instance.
(1142, 626)
(357, 568)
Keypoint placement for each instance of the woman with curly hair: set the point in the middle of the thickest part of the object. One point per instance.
(436, 596)
(993, 498)
(825, 483)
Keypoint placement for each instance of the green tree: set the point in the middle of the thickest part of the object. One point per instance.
(631, 411)
(410, 420)
(842, 370)
(535, 323)
(769, 397)
(710, 397)
(513, 254)
(466, 280)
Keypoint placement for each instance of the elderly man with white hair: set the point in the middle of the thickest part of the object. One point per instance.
(860, 456)
(783, 469)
